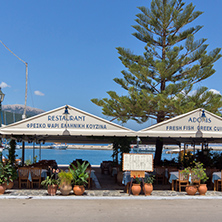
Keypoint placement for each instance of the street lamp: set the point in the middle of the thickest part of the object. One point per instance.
(2, 95)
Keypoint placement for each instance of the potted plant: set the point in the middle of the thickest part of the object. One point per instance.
(9, 173)
(191, 189)
(148, 184)
(51, 183)
(65, 180)
(136, 187)
(80, 177)
(200, 173)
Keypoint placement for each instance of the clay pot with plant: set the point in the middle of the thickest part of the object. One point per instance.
(80, 177)
(65, 180)
(51, 183)
(136, 186)
(148, 185)
(200, 173)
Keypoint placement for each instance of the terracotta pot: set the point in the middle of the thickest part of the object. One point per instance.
(10, 185)
(52, 190)
(191, 189)
(202, 189)
(136, 189)
(65, 189)
(2, 188)
(78, 189)
(148, 188)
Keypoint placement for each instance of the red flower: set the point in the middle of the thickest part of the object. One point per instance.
(134, 177)
(138, 175)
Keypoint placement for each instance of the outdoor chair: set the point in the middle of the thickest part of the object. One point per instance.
(23, 173)
(183, 180)
(194, 179)
(36, 176)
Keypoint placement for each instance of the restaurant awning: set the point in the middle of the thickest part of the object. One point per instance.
(65, 124)
(188, 127)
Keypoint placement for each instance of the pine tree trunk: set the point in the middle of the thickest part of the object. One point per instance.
(158, 153)
(159, 142)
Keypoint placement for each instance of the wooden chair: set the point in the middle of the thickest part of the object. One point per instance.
(219, 182)
(194, 179)
(160, 174)
(23, 173)
(183, 180)
(36, 176)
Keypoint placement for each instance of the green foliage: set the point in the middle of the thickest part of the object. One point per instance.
(28, 162)
(50, 180)
(137, 180)
(7, 173)
(198, 170)
(159, 81)
(11, 152)
(79, 173)
(65, 177)
(150, 179)
(120, 145)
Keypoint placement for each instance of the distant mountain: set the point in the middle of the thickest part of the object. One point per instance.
(16, 108)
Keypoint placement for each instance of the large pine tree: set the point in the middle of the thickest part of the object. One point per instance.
(160, 82)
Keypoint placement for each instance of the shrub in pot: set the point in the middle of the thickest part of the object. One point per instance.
(80, 177)
(191, 189)
(8, 174)
(51, 183)
(148, 184)
(65, 180)
(136, 186)
(200, 173)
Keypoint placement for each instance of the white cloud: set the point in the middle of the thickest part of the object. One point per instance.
(38, 93)
(4, 85)
(215, 91)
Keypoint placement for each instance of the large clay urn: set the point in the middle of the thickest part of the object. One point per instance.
(65, 188)
(78, 189)
(136, 189)
(202, 189)
(52, 190)
(10, 185)
(148, 188)
(2, 188)
(191, 189)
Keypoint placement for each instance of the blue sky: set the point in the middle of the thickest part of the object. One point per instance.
(70, 48)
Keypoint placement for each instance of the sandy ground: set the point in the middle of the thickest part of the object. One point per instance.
(110, 210)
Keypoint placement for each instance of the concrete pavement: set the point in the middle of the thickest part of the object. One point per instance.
(106, 210)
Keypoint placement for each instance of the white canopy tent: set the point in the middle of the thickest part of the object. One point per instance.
(186, 128)
(65, 124)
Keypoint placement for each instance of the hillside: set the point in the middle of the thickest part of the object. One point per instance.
(16, 108)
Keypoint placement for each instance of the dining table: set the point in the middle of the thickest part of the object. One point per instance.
(215, 177)
(174, 175)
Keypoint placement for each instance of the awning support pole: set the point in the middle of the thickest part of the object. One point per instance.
(23, 153)
(40, 154)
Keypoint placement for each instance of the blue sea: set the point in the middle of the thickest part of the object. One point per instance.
(95, 157)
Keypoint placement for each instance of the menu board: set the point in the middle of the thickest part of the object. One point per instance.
(137, 162)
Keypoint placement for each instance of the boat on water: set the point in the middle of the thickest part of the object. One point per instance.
(143, 149)
(59, 146)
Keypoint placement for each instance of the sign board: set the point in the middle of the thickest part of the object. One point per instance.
(137, 162)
